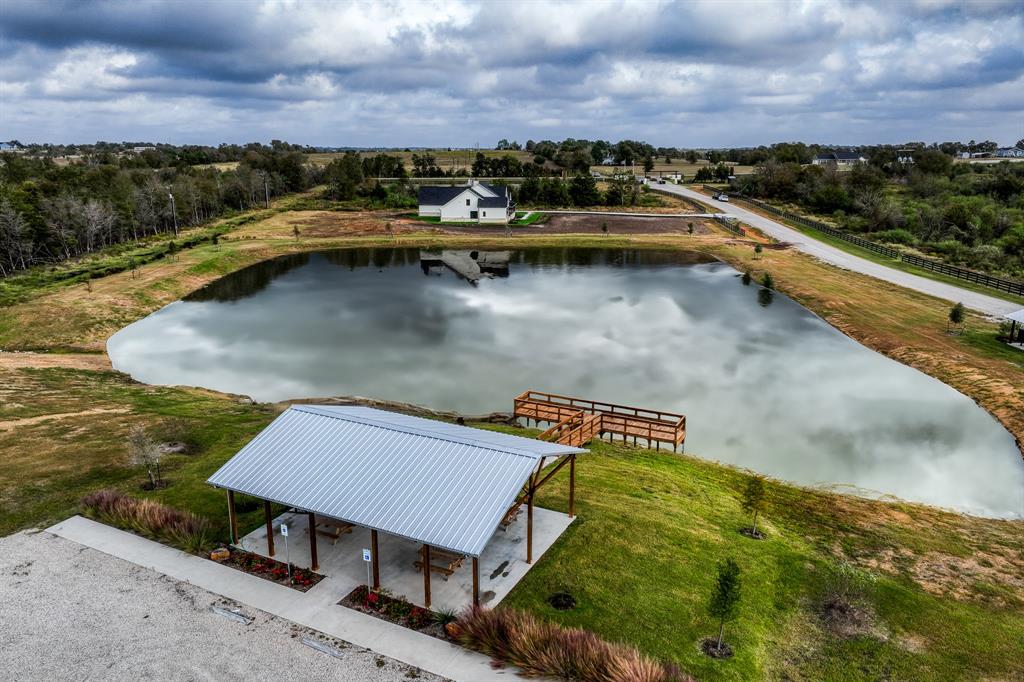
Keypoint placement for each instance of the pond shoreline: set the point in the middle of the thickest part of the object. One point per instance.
(729, 251)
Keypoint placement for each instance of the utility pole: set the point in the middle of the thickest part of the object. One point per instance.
(174, 211)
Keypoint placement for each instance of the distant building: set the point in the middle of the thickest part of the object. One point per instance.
(10, 147)
(905, 156)
(476, 202)
(1009, 153)
(838, 158)
(139, 150)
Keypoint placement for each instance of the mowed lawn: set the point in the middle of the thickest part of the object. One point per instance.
(640, 560)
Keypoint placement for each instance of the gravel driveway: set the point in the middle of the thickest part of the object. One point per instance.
(69, 612)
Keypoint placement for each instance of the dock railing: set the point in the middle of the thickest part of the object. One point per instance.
(566, 413)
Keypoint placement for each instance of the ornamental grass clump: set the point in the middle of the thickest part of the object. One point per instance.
(540, 648)
(149, 518)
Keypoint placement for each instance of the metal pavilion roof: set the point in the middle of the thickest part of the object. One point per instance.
(1017, 316)
(442, 484)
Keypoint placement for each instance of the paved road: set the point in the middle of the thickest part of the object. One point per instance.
(830, 254)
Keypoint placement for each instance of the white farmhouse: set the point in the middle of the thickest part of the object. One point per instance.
(838, 159)
(475, 202)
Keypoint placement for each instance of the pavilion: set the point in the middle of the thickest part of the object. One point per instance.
(1016, 328)
(446, 487)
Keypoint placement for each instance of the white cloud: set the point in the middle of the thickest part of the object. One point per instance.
(454, 73)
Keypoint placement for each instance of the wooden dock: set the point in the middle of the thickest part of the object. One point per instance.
(575, 421)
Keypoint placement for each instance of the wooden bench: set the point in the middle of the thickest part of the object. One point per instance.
(332, 528)
(447, 562)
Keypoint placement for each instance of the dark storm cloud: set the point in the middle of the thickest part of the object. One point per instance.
(695, 73)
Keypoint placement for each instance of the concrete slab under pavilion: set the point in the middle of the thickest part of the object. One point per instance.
(501, 565)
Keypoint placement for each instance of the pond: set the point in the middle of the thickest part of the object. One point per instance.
(765, 384)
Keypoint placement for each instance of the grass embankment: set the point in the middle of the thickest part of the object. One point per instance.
(948, 601)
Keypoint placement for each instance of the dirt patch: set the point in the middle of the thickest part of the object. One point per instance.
(324, 224)
(29, 421)
(592, 224)
(93, 361)
(958, 577)
(847, 618)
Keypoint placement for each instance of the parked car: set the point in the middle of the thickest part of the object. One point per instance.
(722, 197)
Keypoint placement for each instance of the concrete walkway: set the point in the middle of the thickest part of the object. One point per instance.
(989, 305)
(311, 609)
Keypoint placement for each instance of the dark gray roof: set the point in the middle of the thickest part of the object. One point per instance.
(500, 190)
(837, 156)
(432, 195)
(492, 202)
(428, 481)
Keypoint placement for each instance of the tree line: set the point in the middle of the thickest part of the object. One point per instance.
(970, 214)
(51, 212)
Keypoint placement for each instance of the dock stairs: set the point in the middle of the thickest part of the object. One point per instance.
(577, 421)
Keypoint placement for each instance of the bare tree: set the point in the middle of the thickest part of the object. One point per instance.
(98, 221)
(145, 452)
(14, 243)
(63, 217)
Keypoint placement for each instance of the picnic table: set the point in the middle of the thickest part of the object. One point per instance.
(332, 528)
(510, 516)
(441, 561)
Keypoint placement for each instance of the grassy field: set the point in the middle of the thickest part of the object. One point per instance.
(948, 602)
(446, 159)
(677, 166)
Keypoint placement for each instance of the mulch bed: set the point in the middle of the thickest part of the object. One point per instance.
(272, 570)
(395, 610)
(710, 647)
(752, 534)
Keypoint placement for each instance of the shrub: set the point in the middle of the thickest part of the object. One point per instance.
(149, 518)
(540, 648)
(895, 237)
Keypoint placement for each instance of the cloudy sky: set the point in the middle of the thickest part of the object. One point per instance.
(459, 73)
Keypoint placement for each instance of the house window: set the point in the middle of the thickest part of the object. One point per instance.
(467, 202)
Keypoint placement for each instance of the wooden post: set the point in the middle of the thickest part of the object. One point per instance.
(313, 559)
(529, 527)
(426, 575)
(375, 559)
(232, 517)
(476, 581)
(572, 486)
(270, 527)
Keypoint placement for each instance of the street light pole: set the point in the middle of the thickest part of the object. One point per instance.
(174, 211)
